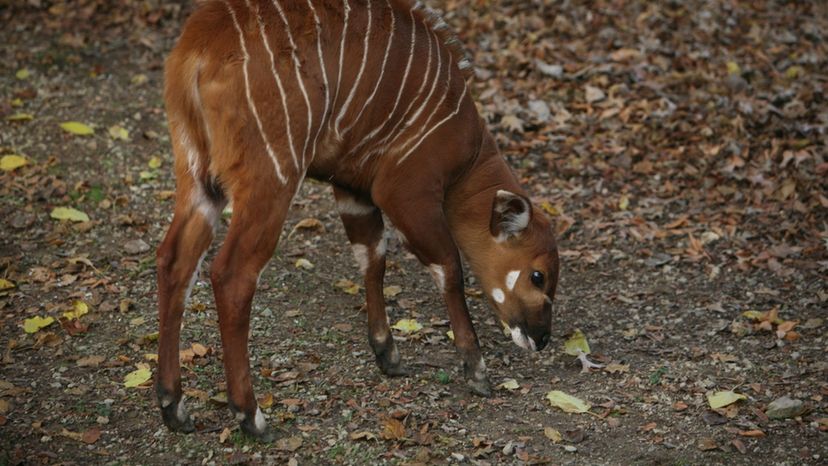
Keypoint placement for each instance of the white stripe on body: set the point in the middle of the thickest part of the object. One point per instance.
(301, 82)
(434, 111)
(437, 125)
(266, 43)
(341, 57)
(250, 103)
(358, 78)
(382, 70)
(324, 76)
(433, 85)
(395, 130)
(399, 93)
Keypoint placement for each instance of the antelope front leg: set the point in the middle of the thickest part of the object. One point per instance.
(252, 237)
(364, 227)
(186, 241)
(427, 236)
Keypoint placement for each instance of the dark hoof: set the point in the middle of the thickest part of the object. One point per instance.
(388, 358)
(261, 435)
(395, 370)
(176, 418)
(480, 387)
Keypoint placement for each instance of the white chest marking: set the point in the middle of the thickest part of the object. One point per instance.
(498, 296)
(249, 96)
(349, 206)
(511, 279)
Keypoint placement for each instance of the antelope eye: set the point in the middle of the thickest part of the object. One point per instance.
(537, 279)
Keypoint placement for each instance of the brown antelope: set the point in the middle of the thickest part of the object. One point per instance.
(371, 96)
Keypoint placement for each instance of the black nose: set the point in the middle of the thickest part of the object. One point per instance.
(543, 342)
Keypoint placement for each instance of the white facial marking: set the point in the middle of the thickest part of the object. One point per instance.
(498, 296)
(522, 340)
(261, 423)
(350, 206)
(511, 279)
(361, 256)
(439, 275)
(298, 77)
(249, 96)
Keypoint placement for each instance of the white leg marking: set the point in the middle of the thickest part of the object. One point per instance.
(324, 77)
(480, 370)
(498, 296)
(166, 401)
(381, 336)
(361, 256)
(341, 57)
(193, 278)
(379, 128)
(298, 78)
(250, 103)
(181, 410)
(381, 248)
(266, 43)
(439, 275)
(382, 69)
(359, 73)
(350, 206)
(511, 279)
(192, 154)
(260, 422)
(522, 340)
(437, 125)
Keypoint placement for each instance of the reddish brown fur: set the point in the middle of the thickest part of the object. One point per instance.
(439, 192)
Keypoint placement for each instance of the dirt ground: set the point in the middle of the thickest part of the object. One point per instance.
(679, 146)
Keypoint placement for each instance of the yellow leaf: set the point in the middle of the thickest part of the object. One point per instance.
(509, 384)
(154, 162)
(407, 326)
(552, 434)
(76, 127)
(5, 284)
(794, 72)
(266, 401)
(347, 286)
(304, 264)
(138, 377)
(22, 74)
(20, 116)
(576, 344)
(139, 79)
(79, 308)
(724, 398)
(10, 162)
(36, 323)
(450, 335)
(567, 403)
(151, 357)
(118, 132)
(733, 68)
(68, 213)
(624, 202)
(753, 315)
(391, 291)
(17, 102)
(550, 209)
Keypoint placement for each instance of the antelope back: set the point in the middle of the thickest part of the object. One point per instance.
(325, 81)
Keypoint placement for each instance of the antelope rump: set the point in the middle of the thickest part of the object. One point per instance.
(370, 96)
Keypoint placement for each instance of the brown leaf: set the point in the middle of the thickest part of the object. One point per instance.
(290, 444)
(392, 429)
(362, 435)
(91, 361)
(679, 406)
(707, 444)
(91, 436)
(751, 433)
(739, 445)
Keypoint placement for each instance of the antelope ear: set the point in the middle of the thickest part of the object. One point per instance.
(510, 215)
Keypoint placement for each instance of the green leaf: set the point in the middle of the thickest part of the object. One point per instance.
(721, 399)
(11, 162)
(78, 128)
(567, 403)
(68, 213)
(36, 323)
(407, 326)
(20, 116)
(138, 377)
(22, 74)
(576, 344)
(154, 162)
(118, 132)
